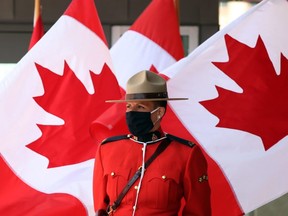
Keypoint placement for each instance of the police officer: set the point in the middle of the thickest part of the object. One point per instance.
(175, 178)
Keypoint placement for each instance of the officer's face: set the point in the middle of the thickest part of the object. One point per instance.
(147, 106)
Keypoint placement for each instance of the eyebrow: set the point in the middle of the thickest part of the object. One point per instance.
(138, 104)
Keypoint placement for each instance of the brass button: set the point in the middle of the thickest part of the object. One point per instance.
(190, 143)
(112, 174)
(164, 177)
(136, 187)
(203, 178)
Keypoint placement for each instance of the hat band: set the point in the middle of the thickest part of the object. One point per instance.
(146, 95)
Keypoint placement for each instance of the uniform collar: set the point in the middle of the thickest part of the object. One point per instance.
(150, 137)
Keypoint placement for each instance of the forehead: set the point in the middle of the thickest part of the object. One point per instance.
(143, 103)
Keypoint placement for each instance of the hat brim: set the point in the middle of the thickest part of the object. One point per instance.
(145, 99)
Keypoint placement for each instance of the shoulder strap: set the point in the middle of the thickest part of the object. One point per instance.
(161, 147)
(180, 140)
(115, 138)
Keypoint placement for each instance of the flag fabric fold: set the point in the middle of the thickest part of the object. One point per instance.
(236, 82)
(47, 105)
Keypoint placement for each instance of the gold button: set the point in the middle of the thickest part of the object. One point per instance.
(136, 187)
(112, 173)
(203, 178)
(163, 177)
(134, 207)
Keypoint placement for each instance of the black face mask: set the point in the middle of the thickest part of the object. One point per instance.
(139, 123)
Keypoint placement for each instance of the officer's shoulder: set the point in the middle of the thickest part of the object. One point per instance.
(180, 140)
(115, 138)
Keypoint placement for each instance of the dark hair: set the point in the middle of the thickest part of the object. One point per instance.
(160, 104)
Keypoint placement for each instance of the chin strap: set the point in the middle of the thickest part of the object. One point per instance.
(141, 177)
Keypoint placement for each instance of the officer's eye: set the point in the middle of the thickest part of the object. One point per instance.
(141, 107)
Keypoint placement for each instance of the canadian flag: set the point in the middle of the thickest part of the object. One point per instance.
(47, 105)
(237, 84)
(38, 26)
(153, 43)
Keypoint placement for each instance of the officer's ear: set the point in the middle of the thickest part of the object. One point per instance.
(161, 112)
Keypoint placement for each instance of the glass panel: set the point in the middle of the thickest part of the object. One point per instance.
(230, 10)
(189, 34)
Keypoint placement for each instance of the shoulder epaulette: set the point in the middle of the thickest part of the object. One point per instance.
(115, 138)
(180, 140)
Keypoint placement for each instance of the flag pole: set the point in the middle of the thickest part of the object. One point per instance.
(38, 27)
(37, 11)
(176, 3)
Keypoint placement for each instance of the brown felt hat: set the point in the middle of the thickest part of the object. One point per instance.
(146, 86)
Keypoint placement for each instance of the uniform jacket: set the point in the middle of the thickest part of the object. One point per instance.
(178, 172)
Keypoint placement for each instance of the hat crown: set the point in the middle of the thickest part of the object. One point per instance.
(146, 82)
(146, 86)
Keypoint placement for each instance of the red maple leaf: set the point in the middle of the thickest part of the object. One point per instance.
(261, 109)
(66, 97)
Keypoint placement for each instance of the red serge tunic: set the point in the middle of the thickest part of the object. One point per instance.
(178, 172)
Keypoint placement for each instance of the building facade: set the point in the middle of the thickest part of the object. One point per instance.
(198, 20)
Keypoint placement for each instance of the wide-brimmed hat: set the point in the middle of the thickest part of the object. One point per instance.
(146, 86)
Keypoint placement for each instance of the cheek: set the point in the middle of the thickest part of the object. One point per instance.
(154, 117)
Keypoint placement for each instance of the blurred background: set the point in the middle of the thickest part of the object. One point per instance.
(199, 19)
